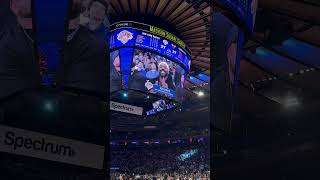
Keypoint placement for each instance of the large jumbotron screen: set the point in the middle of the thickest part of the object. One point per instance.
(147, 59)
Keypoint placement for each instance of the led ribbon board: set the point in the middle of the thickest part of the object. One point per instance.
(143, 36)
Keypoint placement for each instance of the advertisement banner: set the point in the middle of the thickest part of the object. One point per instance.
(115, 106)
(47, 147)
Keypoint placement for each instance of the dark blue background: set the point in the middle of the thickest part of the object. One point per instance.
(50, 19)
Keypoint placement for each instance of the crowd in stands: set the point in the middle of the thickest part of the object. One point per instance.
(187, 132)
(161, 162)
(172, 133)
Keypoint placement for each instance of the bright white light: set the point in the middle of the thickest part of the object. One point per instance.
(225, 152)
(125, 95)
(200, 93)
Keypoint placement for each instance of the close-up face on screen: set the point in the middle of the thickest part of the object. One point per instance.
(22, 9)
(19, 68)
(91, 14)
(115, 71)
(21, 12)
(226, 35)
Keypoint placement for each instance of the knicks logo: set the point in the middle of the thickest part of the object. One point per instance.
(124, 36)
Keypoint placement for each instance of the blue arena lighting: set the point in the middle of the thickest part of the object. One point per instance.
(289, 42)
(261, 52)
(203, 77)
(301, 51)
(125, 94)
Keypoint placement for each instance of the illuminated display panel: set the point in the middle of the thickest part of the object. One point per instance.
(196, 81)
(144, 59)
(157, 75)
(203, 77)
(159, 106)
(133, 34)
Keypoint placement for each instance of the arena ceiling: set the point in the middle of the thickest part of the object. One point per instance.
(188, 19)
(285, 47)
(281, 57)
(279, 95)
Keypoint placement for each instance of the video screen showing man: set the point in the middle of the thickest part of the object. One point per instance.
(180, 83)
(85, 57)
(224, 39)
(156, 74)
(226, 53)
(91, 14)
(138, 70)
(115, 72)
(164, 79)
(23, 12)
(19, 69)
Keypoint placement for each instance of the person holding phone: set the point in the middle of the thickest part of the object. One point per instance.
(94, 18)
(180, 89)
(85, 56)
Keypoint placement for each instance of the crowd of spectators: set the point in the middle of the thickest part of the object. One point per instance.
(160, 162)
(149, 70)
(176, 132)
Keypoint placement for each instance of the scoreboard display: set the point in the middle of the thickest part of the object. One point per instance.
(244, 9)
(139, 35)
(148, 59)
